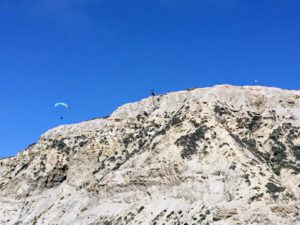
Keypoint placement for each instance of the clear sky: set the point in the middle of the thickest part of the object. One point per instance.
(99, 54)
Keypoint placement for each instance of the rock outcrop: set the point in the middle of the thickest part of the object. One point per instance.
(220, 155)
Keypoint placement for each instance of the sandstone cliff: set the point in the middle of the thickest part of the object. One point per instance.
(220, 155)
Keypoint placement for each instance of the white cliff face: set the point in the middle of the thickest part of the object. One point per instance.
(220, 155)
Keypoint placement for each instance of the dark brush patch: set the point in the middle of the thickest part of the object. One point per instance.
(278, 157)
(278, 150)
(293, 134)
(250, 144)
(221, 110)
(128, 139)
(189, 142)
(293, 166)
(246, 177)
(195, 123)
(273, 188)
(251, 123)
(83, 143)
(276, 134)
(232, 166)
(256, 197)
(176, 121)
(255, 123)
(140, 209)
(55, 177)
(170, 214)
(59, 144)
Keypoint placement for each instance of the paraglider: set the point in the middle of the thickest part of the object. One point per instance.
(61, 104)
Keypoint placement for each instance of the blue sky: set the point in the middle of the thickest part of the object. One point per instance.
(99, 54)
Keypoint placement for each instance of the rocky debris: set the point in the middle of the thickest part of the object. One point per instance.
(224, 214)
(286, 211)
(220, 155)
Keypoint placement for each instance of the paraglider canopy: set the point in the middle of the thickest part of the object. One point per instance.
(62, 104)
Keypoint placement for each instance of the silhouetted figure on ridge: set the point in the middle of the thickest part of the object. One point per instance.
(153, 92)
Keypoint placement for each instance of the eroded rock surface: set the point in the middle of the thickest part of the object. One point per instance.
(220, 155)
